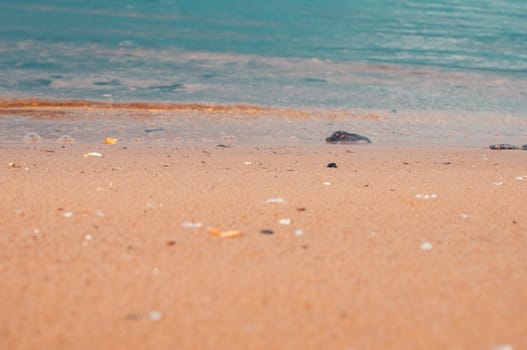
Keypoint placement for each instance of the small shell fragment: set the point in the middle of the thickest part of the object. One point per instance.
(110, 141)
(426, 196)
(275, 200)
(68, 214)
(92, 154)
(12, 165)
(523, 177)
(189, 224)
(155, 315)
(284, 221)
(298, 232)
(426, 246)
(214, 231)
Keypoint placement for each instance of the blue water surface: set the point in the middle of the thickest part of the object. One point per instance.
(446, 55)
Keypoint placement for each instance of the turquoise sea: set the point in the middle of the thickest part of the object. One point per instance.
(453, 56)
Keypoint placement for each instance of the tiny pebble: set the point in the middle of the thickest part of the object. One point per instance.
(327, 183)
(275, 200)
(332, 165)
(426, 246)
(247, 163)
(267, 232)
(284, 221)
(155, 315)
(189, 224)
(68, 214)
(298, 232)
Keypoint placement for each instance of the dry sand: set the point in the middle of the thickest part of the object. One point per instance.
(123, 273)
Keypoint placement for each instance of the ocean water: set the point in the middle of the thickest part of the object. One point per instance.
(416, 59)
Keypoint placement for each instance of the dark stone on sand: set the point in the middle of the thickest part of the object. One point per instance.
(503, 146)
(346, 137)
(524, 147)
(267, 232)
(332, 165)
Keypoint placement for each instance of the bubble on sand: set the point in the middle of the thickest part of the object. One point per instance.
(32, 137)
(65, 139)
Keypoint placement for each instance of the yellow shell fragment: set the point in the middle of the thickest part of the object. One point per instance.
(230, 234)
(214, 231)
(11, 165)
(224, 234)
(110, 141)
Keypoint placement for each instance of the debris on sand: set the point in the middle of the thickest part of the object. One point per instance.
(331, 165)
(347, 138)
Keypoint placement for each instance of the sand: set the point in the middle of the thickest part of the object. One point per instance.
(399, 248)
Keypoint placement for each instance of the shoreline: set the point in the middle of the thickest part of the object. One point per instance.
(397, 248)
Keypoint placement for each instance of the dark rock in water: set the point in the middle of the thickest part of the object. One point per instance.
(503, 146)
(331, 165)
(346, 137)
(524, 147)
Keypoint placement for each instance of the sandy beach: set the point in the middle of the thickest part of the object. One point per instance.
(396, 248)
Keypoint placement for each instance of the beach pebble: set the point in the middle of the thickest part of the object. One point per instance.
(32, 137)
(267, 232)
(155, 315)
(190, 224)
(284, 221)
(327, 183)
(332, 165)
(426, 196)
(298, 232)
(503, 146)
(68, 214)
(248, 163)
(426, 246)
(347, 138)
(275, 200)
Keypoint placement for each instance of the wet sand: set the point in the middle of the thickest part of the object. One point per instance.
(399, 248)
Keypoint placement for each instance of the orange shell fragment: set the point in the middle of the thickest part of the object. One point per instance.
(110, 141)
(214, 231)
(224, 234)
